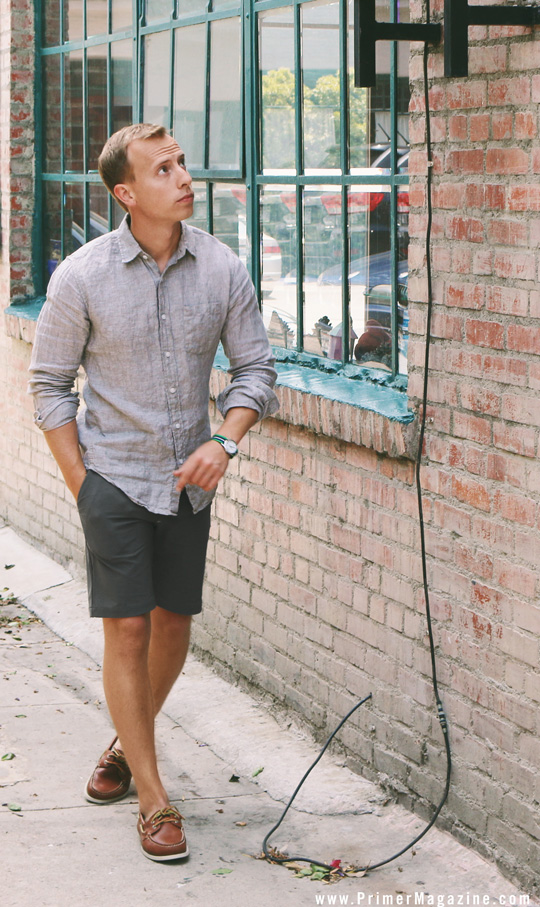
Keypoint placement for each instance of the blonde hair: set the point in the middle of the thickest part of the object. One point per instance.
(113, 164)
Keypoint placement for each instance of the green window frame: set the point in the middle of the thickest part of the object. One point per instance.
(301, 227)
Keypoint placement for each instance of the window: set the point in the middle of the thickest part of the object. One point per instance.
(303, 175)
(87, 67)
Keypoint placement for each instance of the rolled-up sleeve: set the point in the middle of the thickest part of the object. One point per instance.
(61, 335)
(249, 353)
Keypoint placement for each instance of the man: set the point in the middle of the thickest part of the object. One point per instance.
(143, 309)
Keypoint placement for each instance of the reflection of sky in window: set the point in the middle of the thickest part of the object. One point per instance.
(320, 34)
(97, 17)
(189, 90)
(277, 36)
(225, 87)
(156, 75)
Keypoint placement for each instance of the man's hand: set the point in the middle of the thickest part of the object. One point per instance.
(204, 467)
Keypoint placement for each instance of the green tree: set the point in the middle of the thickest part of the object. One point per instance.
(322, 120)
(326, 94)
(278, 100)
(278, 88)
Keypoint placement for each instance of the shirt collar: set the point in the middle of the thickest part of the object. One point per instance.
(130, 248)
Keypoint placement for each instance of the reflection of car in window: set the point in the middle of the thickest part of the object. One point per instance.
(369, 271)
(374, 274)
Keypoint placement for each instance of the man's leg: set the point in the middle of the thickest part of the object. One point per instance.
(169, 643)
(161, 640)
(128, 690)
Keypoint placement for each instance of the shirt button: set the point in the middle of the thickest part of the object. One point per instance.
(164, 317)
(172, 390)
(167, 355)
(145, 256)
(177, 425)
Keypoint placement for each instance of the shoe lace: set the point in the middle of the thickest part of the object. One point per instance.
(169, 814)
(118, 760)
(115, 756)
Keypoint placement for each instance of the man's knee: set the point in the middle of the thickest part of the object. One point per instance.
(170, 623)
(129, 635)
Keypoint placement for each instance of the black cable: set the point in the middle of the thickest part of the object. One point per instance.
(440, 710)
(299, 785)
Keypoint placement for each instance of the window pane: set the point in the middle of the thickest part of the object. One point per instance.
(73, 20)
(97, 17)
(379, 122)
(158, 10)
(370, 275)
(200, 207)
(189, 91)
(99, 211)
(73, 217)
(96, 64)
(225, 105)
(321, 77)
(323, 251)
(229, 214)
(51, 22)
(403, 249)
(278, 263)
(52, 223)
(121, 84)
(192, 7)
(403, 93)
(118, 215)
(73, 110)
(121, 14)
(52, 123)
(156, 78)
(226, 4)
(276, 53)
(359, 123)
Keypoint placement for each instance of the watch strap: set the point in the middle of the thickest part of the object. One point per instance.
(221, 439)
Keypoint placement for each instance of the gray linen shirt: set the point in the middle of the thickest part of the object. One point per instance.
(147, 342)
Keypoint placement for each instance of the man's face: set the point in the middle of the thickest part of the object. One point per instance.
(159, 186)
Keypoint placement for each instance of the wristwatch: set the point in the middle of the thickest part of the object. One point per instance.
(230, 447)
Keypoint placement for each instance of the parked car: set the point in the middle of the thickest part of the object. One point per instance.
(369, 271)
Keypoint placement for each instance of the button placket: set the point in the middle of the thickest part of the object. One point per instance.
(170, 374)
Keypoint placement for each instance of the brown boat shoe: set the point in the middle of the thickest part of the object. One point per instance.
(110, 779)
(162, 835)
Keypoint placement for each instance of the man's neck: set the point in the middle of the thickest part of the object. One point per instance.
(159, 240)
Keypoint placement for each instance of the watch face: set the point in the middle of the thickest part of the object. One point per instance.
(230, 447)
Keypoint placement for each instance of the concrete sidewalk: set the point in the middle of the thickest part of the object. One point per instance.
(59, 850)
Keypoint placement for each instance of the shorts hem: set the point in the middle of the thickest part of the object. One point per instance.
(184, 612)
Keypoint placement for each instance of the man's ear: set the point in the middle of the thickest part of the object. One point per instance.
(124, 194)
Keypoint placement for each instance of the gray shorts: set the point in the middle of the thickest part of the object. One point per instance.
(137, 560)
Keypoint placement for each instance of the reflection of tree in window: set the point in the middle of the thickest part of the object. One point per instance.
(278, 98)
(324, 118)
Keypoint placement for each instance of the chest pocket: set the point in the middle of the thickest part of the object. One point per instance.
(203, 323)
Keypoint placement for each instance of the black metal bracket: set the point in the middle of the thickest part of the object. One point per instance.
(367, 31)
(458, 15)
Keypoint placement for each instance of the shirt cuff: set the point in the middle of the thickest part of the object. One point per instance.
(57, 415)
(262, 399)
